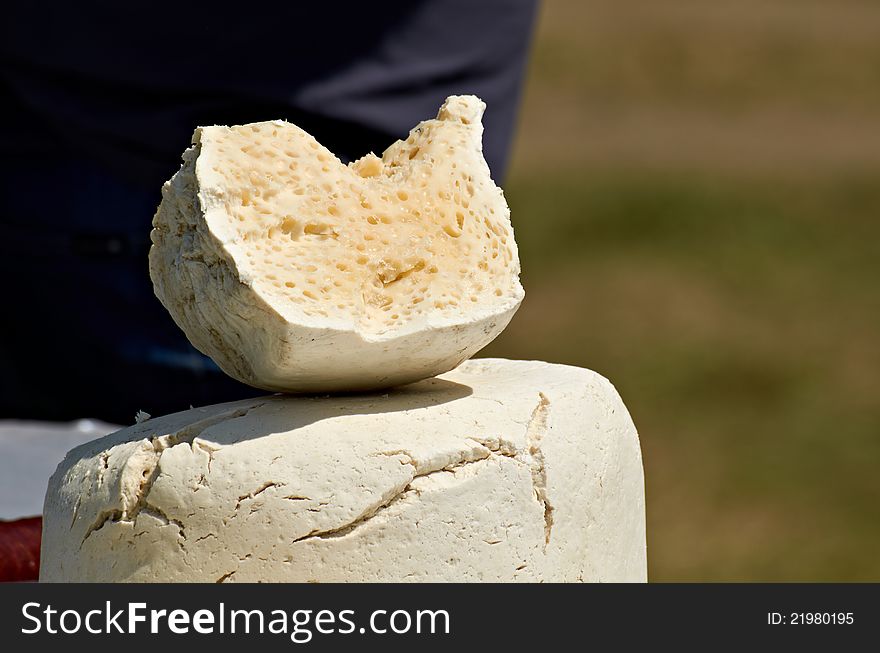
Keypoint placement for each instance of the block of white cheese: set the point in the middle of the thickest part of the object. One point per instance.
(497, 471)
(297, 273)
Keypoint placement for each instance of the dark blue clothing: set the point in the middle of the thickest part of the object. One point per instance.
(99, 101)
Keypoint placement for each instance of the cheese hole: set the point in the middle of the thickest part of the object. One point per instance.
(450, 231)
(318, 229)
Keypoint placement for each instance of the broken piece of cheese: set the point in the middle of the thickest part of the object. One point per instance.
(297, 273)
(497, 471)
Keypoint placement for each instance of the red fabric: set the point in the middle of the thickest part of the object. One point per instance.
(20, 549)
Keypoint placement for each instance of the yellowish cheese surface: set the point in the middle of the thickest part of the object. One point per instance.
(381, 242)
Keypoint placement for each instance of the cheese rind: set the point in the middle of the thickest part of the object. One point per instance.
(297, 273)
(497, 471)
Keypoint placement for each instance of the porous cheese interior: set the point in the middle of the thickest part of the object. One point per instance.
(383, 242)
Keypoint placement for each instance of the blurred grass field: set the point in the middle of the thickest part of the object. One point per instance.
(696, 196)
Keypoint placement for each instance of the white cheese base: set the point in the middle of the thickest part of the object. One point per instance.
(496, 471)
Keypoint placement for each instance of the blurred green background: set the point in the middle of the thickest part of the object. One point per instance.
(695, 193)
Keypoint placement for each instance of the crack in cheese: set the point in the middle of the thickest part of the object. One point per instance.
(297, 273)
